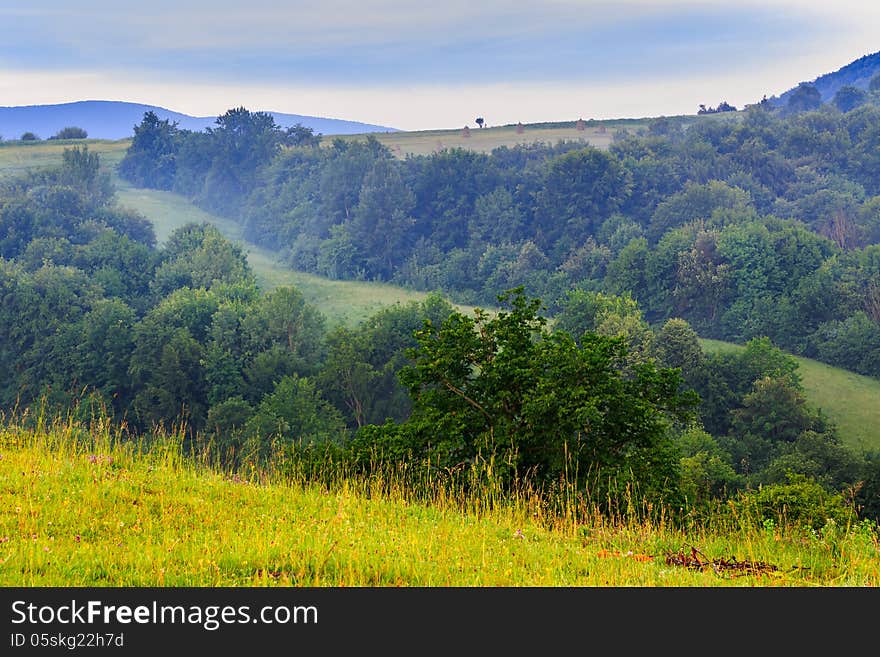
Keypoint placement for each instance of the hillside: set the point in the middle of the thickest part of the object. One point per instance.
(104, 119)
(850, 400)
(857, 74)
(80, 509)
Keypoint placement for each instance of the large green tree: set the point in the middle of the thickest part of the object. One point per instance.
(502, 387)
(150, 160)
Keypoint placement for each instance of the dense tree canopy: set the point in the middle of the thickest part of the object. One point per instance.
(761, 225)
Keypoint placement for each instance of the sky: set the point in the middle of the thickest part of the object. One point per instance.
(418, 65)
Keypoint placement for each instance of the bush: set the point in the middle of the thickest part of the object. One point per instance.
(29, 136)
(801, 502)
(71, 132)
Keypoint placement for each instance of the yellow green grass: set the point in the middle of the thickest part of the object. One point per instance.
(97, 512)
(852, 401)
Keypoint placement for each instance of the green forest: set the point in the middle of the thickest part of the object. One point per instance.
(602, 269)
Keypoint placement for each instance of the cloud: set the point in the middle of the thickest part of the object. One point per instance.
(395, 41)
(389, 61)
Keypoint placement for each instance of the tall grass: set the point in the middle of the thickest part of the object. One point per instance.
(88, 504)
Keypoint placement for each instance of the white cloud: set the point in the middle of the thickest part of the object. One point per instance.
(108, 27)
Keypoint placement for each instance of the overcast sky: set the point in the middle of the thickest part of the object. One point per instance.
(420, 65)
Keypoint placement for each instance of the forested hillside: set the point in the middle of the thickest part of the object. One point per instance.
(762, 226)
(102, 323)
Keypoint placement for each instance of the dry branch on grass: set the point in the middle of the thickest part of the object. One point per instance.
(696, 560)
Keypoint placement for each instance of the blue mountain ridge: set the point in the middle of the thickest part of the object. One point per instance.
(110, 119)
(857, 73)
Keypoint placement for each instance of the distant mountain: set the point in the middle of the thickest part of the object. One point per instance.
(856, 74)
(107, 119)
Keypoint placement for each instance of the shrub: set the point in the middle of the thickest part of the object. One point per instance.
(801, 502)
(71, 132)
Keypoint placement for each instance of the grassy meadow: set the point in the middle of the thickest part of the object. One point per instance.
(79, 508)
(596, 133)
(341, 302)
(484, 140)
(20, 156)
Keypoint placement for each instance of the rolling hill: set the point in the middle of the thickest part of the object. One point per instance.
(106, 119)
(850, 400)
(857, 74)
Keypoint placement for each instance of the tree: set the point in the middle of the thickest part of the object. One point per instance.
(848, 98)
(199, 256)
(381, 225)
(71, 132)
(874, 84)
(677, 345)
(29, 136)
(238, 147)
(701, 279)
(775, 411)
(167, 366)
(581, 189)
(150, 160)
(706, 472)
(294, 412)
(539, 403)
(723, 106)
(282, 320)
(694, 203)
(497, 219)
(804, 98)
(81, 170)
(480, 121)
(360, 372)
(300, 135)
(586, 312)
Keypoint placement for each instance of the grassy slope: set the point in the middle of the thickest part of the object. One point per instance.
(346, 302)
(343, 302)
(850, 400)
(99, 514)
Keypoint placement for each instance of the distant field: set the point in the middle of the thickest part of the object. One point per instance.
(851, 400)
(484, 139)
(595, 133)
(17, 157)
